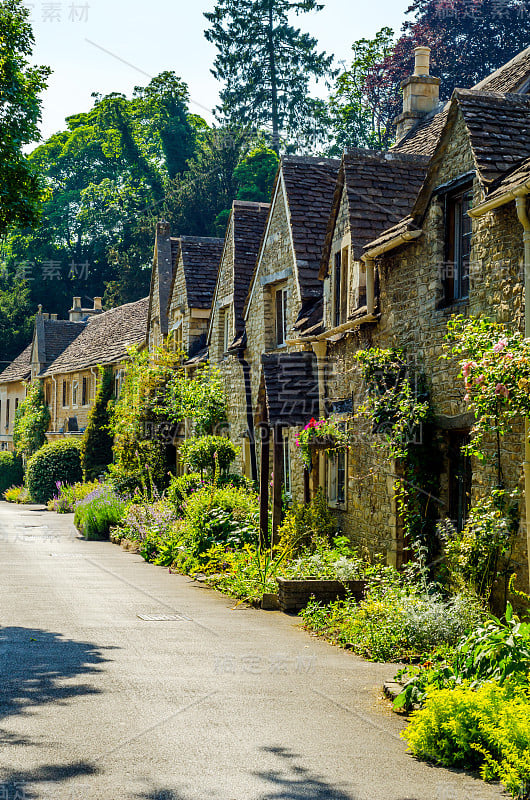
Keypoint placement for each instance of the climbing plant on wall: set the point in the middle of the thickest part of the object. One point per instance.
(32, 419)
(398, 409)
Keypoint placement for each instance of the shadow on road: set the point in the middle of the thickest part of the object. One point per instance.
(34, 663)
(43, 781)
(294, 782)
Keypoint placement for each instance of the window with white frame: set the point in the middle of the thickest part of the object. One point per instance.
(337, 477)
(75, 392)
(118, 382)
(280, 313)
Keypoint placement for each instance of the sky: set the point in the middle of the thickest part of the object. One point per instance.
(108, 46)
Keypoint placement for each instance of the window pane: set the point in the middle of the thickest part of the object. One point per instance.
(280, 322)
(337, 288)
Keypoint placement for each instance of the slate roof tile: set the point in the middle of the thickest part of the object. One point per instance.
(19, 369)
(291, 384)
(104, 339)
(310, 186)
(249, 221)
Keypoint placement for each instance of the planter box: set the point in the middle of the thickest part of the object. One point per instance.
(295, 594)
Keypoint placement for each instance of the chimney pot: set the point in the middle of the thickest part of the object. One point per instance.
(421, 94)
(97, 303)
(53, 316)
(422, 56)
(77, 302)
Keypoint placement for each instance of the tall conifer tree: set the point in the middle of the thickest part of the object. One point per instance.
(265, 63)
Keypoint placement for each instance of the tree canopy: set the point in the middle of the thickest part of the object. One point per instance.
(20, 113)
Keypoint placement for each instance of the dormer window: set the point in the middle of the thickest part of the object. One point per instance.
(280, 304)
(458, 244)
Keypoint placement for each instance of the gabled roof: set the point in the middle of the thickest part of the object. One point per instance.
(200, 256)
(19, 369)
(244, 235)
(512, 77)
(104, 339)
(499, 129)
(381, 189)
(499, 136)
(310, 186)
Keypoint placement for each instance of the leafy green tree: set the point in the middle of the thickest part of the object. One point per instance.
(20, 113)
(108, 175)
(96, 445)
(265, 63)
(16, 318)
(358, 103)
(254, 176)
(32, 419)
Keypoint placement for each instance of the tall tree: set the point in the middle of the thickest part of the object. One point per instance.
(358, 102)
(265, 63)
(20, 113)
(469, 40)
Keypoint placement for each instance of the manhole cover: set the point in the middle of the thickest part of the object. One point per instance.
(160, 617)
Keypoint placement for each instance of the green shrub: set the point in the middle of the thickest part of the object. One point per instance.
(57, 462)
(305, 526)
(200, 453)
(96, 446)
(487, 729)
(101, 510)
(11, 472)
(182, 487)
(225, 515)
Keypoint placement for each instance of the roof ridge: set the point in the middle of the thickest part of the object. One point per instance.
(518, 57)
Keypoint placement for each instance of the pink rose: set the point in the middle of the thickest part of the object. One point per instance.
(499, 347)
(501, 390)
(480, 380)
(467, 398)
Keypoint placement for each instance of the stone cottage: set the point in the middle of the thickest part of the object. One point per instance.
(70, 379)
(226, 332)
(65, 354)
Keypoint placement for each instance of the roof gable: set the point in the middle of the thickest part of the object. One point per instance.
(380, 190)
(200, 258)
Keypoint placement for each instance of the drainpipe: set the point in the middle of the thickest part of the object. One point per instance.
(522, 214)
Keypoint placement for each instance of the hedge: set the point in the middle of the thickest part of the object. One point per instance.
(11, 472)
(55, 462)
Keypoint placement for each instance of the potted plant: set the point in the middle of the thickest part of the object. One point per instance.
(322, 434)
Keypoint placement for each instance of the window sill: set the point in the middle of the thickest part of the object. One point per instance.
(337, 506)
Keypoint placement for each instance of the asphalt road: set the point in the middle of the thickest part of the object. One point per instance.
(217, 703)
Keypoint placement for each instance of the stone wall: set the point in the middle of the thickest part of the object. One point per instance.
(15, 392)
(194, 321)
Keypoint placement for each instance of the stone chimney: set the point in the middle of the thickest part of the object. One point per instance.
(97, 303)
(421, 93)
(53, 316)
(76, 312)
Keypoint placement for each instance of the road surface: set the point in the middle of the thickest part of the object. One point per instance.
(210, 703)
